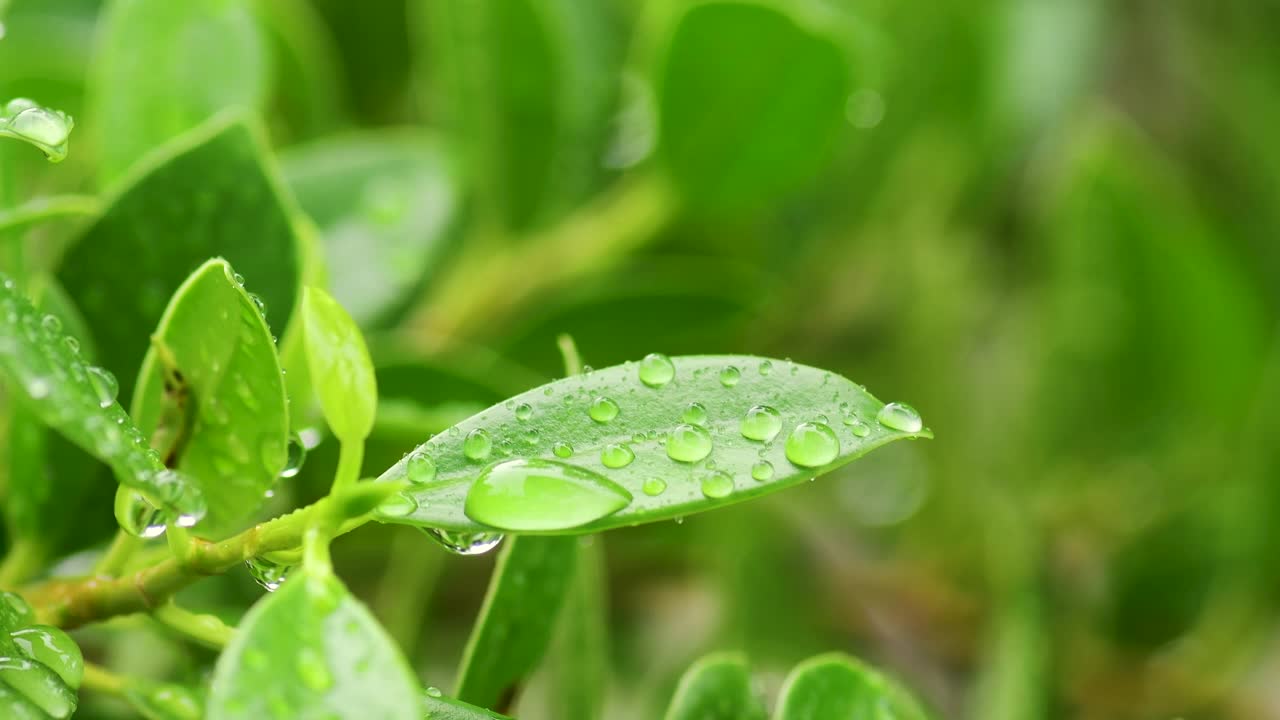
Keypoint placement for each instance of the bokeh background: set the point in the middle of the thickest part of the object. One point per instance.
(1050, 225)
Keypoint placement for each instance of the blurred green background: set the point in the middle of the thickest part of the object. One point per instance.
(1050, 225)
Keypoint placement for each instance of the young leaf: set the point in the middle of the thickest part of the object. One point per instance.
(837, 686)
(634, 443)
(759, 119)
(529, 584)
(340, 368)
(164, 701)
(439, 707)
(162, 68)
(311, 650)
(48, 130)
(717, 687)
(211, 395)
(40, 666)
(79, 401)
(207, 194)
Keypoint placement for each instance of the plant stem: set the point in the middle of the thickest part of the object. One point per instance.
(116, 558)
(102, 680)
(569, 352)
(350, 456)
(205, 629)
(22, 561)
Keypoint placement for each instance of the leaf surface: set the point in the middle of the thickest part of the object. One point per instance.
(716, 687)
(837, 686)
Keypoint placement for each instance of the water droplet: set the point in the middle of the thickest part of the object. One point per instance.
(104, 384)
(478, 445)
(295, 456)
(238, 278)
(717, 484)
(52, 325)
(72, 345)
(137, 516)
(761, 423)
(762, 470)
(259, 304)
(38, 388)
(268, 574)
(602, 409)
(901, 417)
(812, 444)
(313, 671)
(524, 411)
(654, 486)
(421, 468)
(616, 455)
(562, 450)
(766, 367)
(730, 376)
(434, 692)
(464, 543)
(688, 443)
(656, 370)
(48, 129)
(695, 414)
(856, 426)
(530, 436)
(534, 494)
(54, 649)
(398, 505)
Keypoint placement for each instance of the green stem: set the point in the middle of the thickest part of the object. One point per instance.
(116, 558)
(569, 352)
(23, 560)
(350, 456)
(100, 679)
(205, 629)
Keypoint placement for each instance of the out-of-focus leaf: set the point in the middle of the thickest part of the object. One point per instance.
(749, 104)
(384, 203)
(578, 659)
(716, 687)
(306, 76)
(211, 396)
(525, 85)
(311, 650)
(209, 193)
(162, 68)
(837, 686)
(634, 443)
(40, 666)
(442, 708)
(164, 701)
(44, 128)
(529, 584)
(339, 365)
(43, 209)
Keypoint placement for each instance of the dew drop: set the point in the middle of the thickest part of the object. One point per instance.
(137, 516)
(268, 574)
(654, 486)
(562, 450)
(856, 426)
(313, 671)
(104, 385)
(766, 367)
(259, 304)
(238, 278)
(421, 468)
(656, 370)
(901, 417)
(52, 325)
(717, 484)
(478, 444)
(295, 456)
(464, 543)
(524, 411)
(762, 470)
(535, 495)
(761, 423)
(616, 455)
(812, 444)
(695, 414)
(71, 344)
(730, 376)
(434, 692)
(398, 505)
(530, 436)
(688, 443)
(602, 409)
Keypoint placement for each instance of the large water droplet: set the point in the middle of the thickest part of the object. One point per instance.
(137, 516)
(616, 455)
(901, 417)
(531, 495)
(656, 370)
(761, 423)
(524, 411)
(54, 649)
(762, 470)
(730, 376)
(104, 384)
(313, 670)
(434, 692)
(695, 414)
(717, 484)
(421, 468)
(295, 456)
(268, 574)
(562, 450)
(477, 445)
(602, 409)
(654, 486)
(464, 543)
(398, 505)
(812, 444)
(688, 443)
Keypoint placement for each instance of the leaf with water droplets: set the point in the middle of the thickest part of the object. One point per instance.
(209, 193)
(211, 397)
(61, 389)
(529, 584)
(340, 368)
(716, 687)
(40, 666)
(837, 686)
(647, 452)
(48, 130)
(311, 650)
(439, 707)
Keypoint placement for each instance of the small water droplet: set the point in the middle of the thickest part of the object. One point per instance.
(259, 304)
(464, 543)
(104, 385)
(688, 443)
(313, 671)
(856, 426)
(695, 414)
(421, 468)
(812, 444)
(296, 455)
(766, 367)
(52, 325)
(535, 494)
(656, 370)
(654, 486)
(238, 278)
(398, 505)
(478, 444)
(268, 574)
(730, 376)
(524, 411)
(616, 455)
(72, 345)
(762, 470)
(38, 388)
(717, 484)
(137, 516)
(762, 423)
(562, 450)
(530, 436)
(603, 409)
(434, 692)
(901, 417)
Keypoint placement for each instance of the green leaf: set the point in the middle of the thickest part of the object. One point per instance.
(311, 650)
(525, 86)
(529, 584)
(384, 203)
(162, 68)
(40, 666)
(514, 454)
(163, 701)
(837, 686)
(43, 209)
(48, 130)
(750, 104)
(439, 707)
(717, 687)
(210, 193)
(79, 401)
(578, 659)
(211, 396)
(340, 368)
